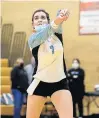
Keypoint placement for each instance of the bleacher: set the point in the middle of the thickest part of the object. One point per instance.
(7, 61)
(6, 88)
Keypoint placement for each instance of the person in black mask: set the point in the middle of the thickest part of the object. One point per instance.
(19, 85)
(76, 77)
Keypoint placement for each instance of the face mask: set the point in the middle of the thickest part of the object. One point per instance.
(40, 27)
(22, 65)
(75, 65)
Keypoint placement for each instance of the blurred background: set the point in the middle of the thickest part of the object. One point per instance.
(16, 27)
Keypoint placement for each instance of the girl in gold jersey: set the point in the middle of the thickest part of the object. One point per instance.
(49, 77)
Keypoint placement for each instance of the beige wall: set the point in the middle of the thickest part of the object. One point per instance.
(86, 48)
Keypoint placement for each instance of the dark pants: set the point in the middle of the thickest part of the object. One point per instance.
(18, 101)
(80, 107)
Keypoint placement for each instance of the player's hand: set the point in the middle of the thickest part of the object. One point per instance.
(64, 14)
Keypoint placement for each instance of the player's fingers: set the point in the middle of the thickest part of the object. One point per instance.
(67, 14)
(65, 18)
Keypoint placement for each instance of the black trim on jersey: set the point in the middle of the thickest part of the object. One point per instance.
(61, 39)
(35, 54)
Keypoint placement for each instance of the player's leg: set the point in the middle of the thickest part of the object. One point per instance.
(34, 106)
(62, 101)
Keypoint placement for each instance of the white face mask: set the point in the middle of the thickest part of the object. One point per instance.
(75, 65)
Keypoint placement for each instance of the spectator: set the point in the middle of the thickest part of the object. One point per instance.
(19, 85)
(76, 77)
(30, 69)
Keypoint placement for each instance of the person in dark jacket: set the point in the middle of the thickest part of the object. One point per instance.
(19, 85)
(76, 77)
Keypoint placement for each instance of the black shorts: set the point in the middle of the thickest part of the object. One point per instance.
(47, 89)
